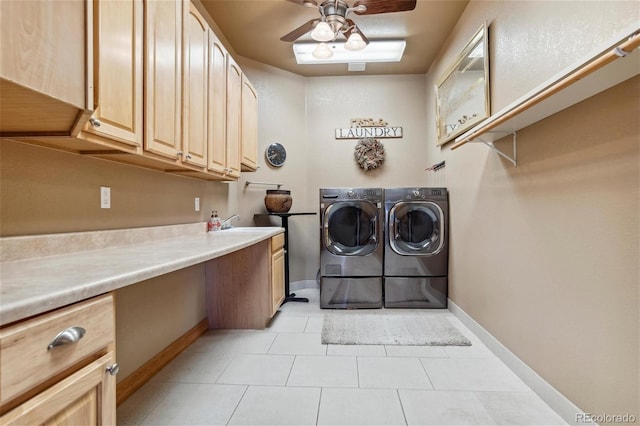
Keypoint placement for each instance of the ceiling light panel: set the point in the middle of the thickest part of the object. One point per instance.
(376, 51)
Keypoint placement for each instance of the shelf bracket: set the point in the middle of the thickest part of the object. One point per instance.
(513, 158)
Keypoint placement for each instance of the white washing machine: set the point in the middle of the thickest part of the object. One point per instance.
(351, 247)
(416, 257)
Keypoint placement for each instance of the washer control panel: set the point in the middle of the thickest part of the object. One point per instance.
(370, 194)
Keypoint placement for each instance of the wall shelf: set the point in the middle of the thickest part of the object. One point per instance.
(618, 61)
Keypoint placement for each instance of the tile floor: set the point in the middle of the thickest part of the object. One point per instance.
(284, 376)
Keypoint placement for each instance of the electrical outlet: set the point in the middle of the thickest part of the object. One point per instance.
(197, 204)
(105, 197)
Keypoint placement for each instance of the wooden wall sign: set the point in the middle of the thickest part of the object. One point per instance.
(363, 128)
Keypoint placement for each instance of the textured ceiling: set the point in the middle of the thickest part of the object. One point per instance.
(254, 27)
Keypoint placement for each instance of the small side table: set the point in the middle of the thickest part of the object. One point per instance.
(288, 297)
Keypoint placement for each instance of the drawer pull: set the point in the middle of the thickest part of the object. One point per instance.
(70, 335)
(113, 370)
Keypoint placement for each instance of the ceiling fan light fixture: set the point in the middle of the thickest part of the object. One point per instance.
(355, 42)
(322, 51)
(322, 32)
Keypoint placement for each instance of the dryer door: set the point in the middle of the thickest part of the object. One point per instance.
(350, 228)
(416, 228)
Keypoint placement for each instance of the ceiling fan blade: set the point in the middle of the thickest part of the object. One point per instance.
(384, 6)
(300, 31)
(352, 26)
(306, 3)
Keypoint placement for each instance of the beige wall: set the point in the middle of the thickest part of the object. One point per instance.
(282, 118)
(47, 191)
(331, 103)
(545, 255)
(154, 313)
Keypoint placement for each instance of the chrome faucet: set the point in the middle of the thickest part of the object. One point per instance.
(226, 224)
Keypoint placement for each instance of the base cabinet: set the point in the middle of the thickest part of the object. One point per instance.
(59, 368)
(86, 398)
(277, 272)
(245, 288)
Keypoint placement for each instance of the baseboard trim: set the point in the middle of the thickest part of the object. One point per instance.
(142, 375)
(557, 401)
(302, 284)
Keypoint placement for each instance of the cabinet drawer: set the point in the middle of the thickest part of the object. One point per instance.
(27, 361)
(277, 242)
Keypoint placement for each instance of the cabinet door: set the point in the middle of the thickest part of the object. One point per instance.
(277, 279)
(217, 125)
(118, 72)
(163, 77)
(234, 101)
(196, 41)
(45, 70)
(86, 398)
(249, 126)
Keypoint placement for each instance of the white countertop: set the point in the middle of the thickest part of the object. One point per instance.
(35, 285)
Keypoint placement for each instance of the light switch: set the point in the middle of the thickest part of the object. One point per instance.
(105, 197)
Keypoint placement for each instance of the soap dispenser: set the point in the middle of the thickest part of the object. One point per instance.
(214, 224)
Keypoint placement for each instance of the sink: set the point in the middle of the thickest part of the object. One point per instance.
(241, 229)
(248, 229)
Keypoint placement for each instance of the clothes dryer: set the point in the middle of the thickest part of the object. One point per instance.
(351, 247)
(416, 258)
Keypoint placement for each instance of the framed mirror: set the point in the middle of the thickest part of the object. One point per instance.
(462, 93)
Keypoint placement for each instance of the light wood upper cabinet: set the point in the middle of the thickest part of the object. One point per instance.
(45, 67)
(195, 87)
(234, 104)
(163, 78)
(143, 82)
(249, 126)
(118, 71)
(217, 109)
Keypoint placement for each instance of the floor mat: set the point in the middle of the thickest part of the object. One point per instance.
(349, 328)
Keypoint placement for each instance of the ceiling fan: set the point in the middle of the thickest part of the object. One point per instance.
(334, 21)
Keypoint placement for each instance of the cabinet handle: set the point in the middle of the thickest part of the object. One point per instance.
(94, 122)
(70, 335)
(189, 157)
(179, 153)
(113, 369)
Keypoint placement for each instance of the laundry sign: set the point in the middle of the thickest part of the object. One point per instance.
(364, 128)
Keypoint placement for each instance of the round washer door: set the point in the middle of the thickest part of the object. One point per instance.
(416, 228)
(350, 228)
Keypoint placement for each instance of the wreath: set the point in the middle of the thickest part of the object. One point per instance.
(369, 153)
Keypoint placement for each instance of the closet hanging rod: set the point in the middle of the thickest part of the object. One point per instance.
(247, 183)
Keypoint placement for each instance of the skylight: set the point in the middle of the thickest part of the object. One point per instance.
(376, 51)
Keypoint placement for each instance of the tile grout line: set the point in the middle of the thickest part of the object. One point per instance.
(272, 342)
(406, 422)
(237, 405)
(319, 403)
(426, 373)
(475, 394)
(286, 382)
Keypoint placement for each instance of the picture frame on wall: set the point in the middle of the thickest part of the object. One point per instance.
(462, 93)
